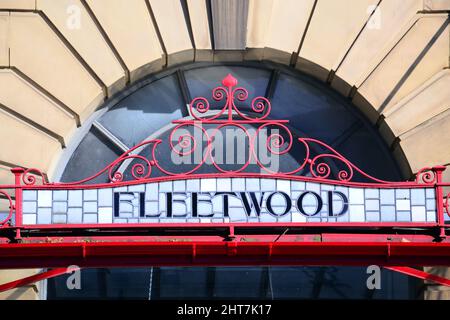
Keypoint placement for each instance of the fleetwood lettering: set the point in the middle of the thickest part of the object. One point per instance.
(277, 203)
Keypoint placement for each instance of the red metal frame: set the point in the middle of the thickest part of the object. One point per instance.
(204, 247)
(223, 253)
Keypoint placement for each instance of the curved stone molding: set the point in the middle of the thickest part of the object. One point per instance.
(129, 26)
(39, 53)
(424, 103)
(18, 4)
(436, 5)
(174, 31)
(73, 21)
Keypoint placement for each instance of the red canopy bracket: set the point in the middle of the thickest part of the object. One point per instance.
(32, 279)
(420, 274)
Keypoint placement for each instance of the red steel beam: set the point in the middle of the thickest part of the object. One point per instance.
(164, 253)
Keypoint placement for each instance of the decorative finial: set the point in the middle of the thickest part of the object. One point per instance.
(229, 81)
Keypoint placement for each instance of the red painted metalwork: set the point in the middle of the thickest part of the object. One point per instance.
(313, 167)
(420, 274)
(11, 208)
(108, 245)
(383, 242)
(222, 253)
(139, 236)
(235, 225)
(439, 199)
(447, 204)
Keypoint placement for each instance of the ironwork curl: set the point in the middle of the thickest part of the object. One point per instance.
(229, 115)
(5, 221)
(29, 177)
(447, 204)
(426, 175)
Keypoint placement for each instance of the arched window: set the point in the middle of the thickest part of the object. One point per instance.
(147, 108)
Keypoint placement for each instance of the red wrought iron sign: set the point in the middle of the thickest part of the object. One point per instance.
(142, 195)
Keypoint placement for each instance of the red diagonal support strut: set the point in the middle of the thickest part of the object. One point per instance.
(420, 274)
(32, 279)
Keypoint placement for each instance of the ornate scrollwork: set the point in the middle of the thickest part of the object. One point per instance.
(186, 145)
(447, 204)
(248, 136)
(278, 143)
(6, 220)
(29, 177)
(426, 175)
(200, 105)
(139, 171)
(320, 160)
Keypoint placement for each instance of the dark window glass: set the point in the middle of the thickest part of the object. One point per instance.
(311, 109)
(180, 283)
(237, 282)
(112, 283)
(143, 112)
(233, 283)
(333, 283)
(366, 151)
(92, 155)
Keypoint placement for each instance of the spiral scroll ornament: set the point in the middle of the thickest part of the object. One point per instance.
(241, 128)
(184, 143)
(319, 160)
(426, 175)
(29, 177)
(320, 169)
(139, 171)
(6, 220)
(447, 204)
